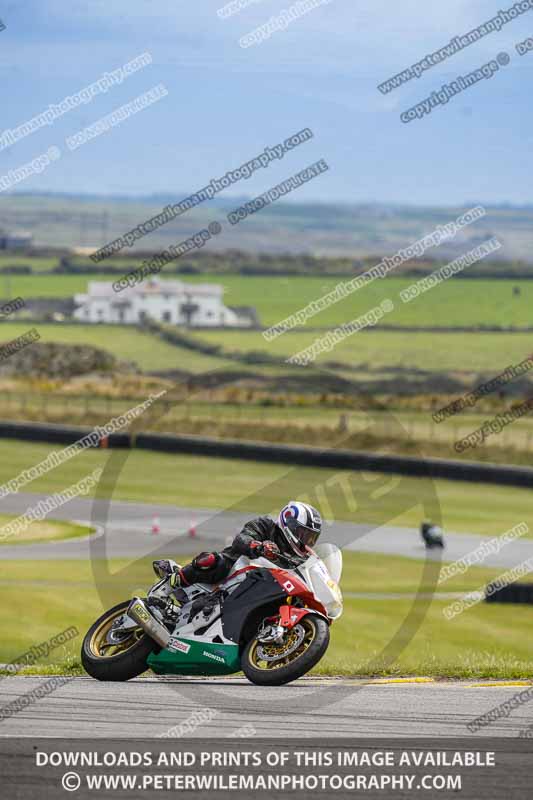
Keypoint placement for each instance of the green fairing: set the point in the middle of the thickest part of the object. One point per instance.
(194, 662)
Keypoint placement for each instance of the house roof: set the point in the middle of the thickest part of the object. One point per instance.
(154, 286)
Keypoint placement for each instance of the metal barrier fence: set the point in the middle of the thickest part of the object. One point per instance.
(285, 454)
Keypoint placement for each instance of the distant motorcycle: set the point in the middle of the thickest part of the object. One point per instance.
(270, 620)
(432, 535)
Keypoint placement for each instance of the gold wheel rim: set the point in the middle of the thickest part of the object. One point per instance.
(268, 666)
(100, 648)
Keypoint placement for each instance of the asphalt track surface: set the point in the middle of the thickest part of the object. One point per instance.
(331, 708)
(125, 532)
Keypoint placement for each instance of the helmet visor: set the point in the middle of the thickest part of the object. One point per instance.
(306, 536)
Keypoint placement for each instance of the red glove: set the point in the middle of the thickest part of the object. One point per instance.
(267, 549)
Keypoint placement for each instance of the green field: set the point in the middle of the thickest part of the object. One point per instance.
(39, 264)
(364, 351)
(471, 352)
(202, 482)
(126, 343)
(46, 285)
(453, 303)
(481, 642)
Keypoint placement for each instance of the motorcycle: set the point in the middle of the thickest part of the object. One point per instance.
(432, 535)
(270, 620)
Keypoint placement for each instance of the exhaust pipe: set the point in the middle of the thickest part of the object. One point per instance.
(138, 612)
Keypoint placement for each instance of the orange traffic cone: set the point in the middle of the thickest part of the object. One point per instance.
(155, 525)
(192, 529)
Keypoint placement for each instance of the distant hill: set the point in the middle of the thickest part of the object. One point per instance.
(283, 227)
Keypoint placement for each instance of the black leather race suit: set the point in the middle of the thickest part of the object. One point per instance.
(261, 529)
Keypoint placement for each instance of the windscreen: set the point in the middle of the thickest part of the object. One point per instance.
(332, 558)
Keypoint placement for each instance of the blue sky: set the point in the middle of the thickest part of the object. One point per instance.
(226, 103)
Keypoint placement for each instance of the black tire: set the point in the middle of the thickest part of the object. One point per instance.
(120, 667)
(295, 669)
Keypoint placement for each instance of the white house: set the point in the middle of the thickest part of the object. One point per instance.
(172, 302)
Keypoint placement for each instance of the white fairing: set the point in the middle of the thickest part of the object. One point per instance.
(320, 573)
(325, 588)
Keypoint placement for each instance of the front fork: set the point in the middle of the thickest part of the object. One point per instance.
(289, 616)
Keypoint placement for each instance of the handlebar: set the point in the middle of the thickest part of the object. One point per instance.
(296, 562)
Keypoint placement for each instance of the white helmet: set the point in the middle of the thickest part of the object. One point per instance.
(301, 525)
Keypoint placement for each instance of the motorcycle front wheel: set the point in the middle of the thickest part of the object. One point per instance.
(115, 662)
(274, 664)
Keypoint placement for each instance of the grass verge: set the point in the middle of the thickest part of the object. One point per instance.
(49, 530)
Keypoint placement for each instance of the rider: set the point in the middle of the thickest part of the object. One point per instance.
(298, 527)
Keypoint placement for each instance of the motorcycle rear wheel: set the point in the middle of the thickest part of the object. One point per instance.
(284, 669)
(120, 662)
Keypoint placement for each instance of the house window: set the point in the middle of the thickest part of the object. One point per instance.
(167, 316)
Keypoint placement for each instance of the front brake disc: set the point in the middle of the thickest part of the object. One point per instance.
(271, 652)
